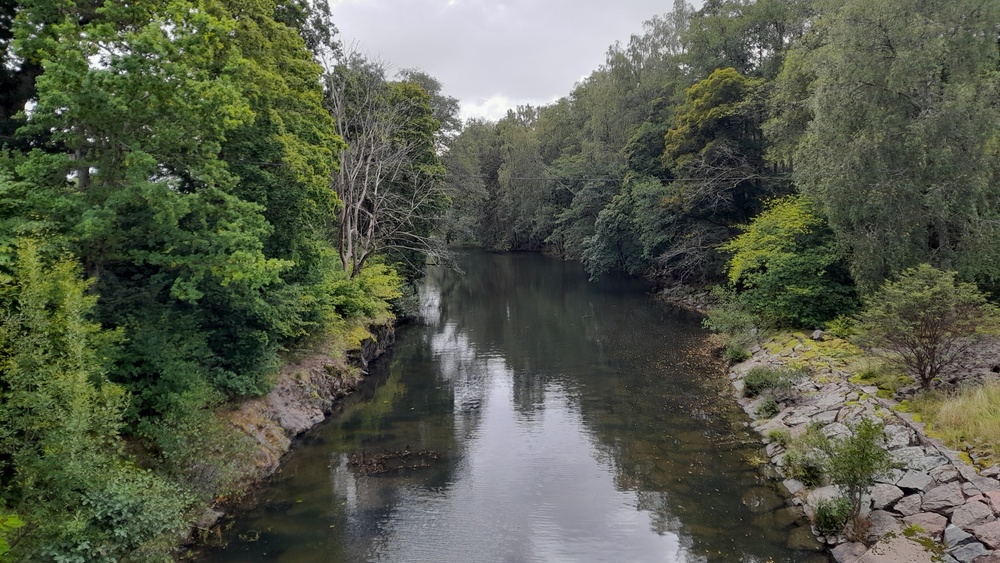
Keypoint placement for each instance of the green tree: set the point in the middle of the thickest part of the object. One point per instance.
(785, 267)
(926, 320)
(854, 462)
(60, 418)
(900, 151)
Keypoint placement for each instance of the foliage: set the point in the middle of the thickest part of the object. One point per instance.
(785, 267)
(760, 380)
(832, 515)
(61, 419)
(768, 407)
(926, 320)
(856, 461)
(889, 112)
(970, 417)
(805, 464)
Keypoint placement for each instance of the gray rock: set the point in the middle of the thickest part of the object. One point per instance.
(816, 335)
(944, 474)
(968, 552)
(892, 477)
(848, 552)
(822, 493)
(884, 496)
(932, 523)
(908, 505)
(881, 523)
(989, 534)
(826, 417)
(942, 497)
(898, 436)
(836, 430)
(915, 457)
(970, 490)
(208, 518)
(794, 486)
(972, 514)
(993, 499)
(992, 471)
(955, 536)
(915, 481)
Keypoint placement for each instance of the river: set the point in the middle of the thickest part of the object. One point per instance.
(531, 416)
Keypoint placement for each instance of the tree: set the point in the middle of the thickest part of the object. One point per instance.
(785, 267)
(390, 176)
(60, 419)
(854, 462)
(926, 320)
(893, 110)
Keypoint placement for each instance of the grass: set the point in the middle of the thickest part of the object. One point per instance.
(881, 374)
(971, 416)
(763, 379)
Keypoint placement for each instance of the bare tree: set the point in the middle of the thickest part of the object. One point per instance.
(389, 178)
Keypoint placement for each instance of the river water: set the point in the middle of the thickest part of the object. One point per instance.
(531, 416)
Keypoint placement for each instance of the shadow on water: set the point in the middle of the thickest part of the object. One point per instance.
(532, 416)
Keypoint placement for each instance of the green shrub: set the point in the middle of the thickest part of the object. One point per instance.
(832, 515)
(774, 380)
(786, 269)
(768, 407)
(926, 321)
(780, 436)
(734, 353)
(855, 461)
(804, 465)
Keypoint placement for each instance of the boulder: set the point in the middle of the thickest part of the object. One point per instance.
(989, 534)
(908, 505)
(972, 514)
(969, 552)
(915, 481)
(915, 457)
(823, 493)
(793, 486)
(884, 496)
(942, 497)
(944, 474)
(848, 552)
(896, 549)
(881, 523)
(897, 436)
(991, 558)
(931, 522)
(993, 500)
(955, 536)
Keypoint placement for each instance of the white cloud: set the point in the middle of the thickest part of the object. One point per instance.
(521, 51)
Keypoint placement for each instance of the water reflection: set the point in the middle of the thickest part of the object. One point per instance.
(533, 417)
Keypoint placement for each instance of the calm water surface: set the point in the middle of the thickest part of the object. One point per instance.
(531, 416)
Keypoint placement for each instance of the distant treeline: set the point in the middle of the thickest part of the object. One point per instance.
(190, 190)
(813, 147)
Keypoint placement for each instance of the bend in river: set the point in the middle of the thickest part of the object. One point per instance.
(532, 416)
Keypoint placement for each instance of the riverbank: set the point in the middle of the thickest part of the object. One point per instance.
(307, 390)
(936, 507)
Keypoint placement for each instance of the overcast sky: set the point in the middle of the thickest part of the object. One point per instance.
(493, 55)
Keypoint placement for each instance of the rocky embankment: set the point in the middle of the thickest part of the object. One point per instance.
(306, 392)
(936, 507)
(304, 395)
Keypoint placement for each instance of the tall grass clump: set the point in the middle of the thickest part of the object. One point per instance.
(970, 416)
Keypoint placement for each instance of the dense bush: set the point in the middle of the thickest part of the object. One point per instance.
(926, 321)
(770, 380)
(785, 267)
(832, 515)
